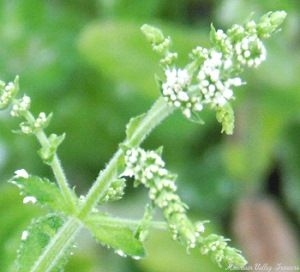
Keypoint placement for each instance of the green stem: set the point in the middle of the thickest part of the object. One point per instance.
(62, 240)
(56, 166)
(131, 223)
(57, 246)
(158, 112)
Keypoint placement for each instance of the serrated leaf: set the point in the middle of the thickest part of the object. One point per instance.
(35, 239)
(41, 191)
(12, 226)
(132, 125)
(119, 237)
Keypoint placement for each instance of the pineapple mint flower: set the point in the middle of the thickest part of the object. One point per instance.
(174, 90)
(250, 51)
(214, 85)
(210, 77)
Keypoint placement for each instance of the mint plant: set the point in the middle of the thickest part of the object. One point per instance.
(206, 82)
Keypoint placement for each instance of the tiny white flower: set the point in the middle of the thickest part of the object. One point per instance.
(211, 88)
(201, 75)
(29, 199)
(220, 100)
(200, 228)
(183, 77)
(24, 235)
(227, 64)
(9, 87)
(236, 81)
(187, 113)
(228, 93)
(21, 173)
(219, 85)
(247, 53)
(128, 173)
(183, 96)
(205, 83)
(214, 75)
(171, 76)
(177, 104)
(198, 107)
(216, 58)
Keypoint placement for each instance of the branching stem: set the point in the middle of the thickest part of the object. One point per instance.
(55, 165)
(62, 240)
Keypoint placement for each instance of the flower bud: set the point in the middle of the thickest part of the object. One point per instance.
(153, 34)
(270, 23)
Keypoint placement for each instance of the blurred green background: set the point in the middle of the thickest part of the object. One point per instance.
(88, 63)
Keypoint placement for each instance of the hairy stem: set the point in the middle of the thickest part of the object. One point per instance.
(57, 246)
(158, 112)
(130, 223)
(62, 240)
(56, 166)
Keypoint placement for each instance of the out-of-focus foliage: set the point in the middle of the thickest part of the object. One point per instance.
(87, 62)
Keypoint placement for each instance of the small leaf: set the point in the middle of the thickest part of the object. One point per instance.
(225, 116)
(142, 230)
(132, 125)
(152, 34)
(47, 152)
(35, 239)
(195, 118)
(41, 191)
(119, 237)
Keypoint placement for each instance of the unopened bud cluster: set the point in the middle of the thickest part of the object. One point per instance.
(8, 92)
(148, 168)
(217, 247)
(32, 126)
(20, 106)
(115, 191)
(160, 44)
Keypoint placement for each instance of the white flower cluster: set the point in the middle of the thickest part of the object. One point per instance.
(39, 123)
(115, 191)
(214, 84)
(20, 106)
(216, 75)
(250, 51)
(7, 92)
(148, 168)
(174, 89)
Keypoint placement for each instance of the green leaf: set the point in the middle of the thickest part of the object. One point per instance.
(41, 191)
(47, 152)
(132, 125)
(35, 239)
(225, 116)
(119, 237)
(14, 218)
